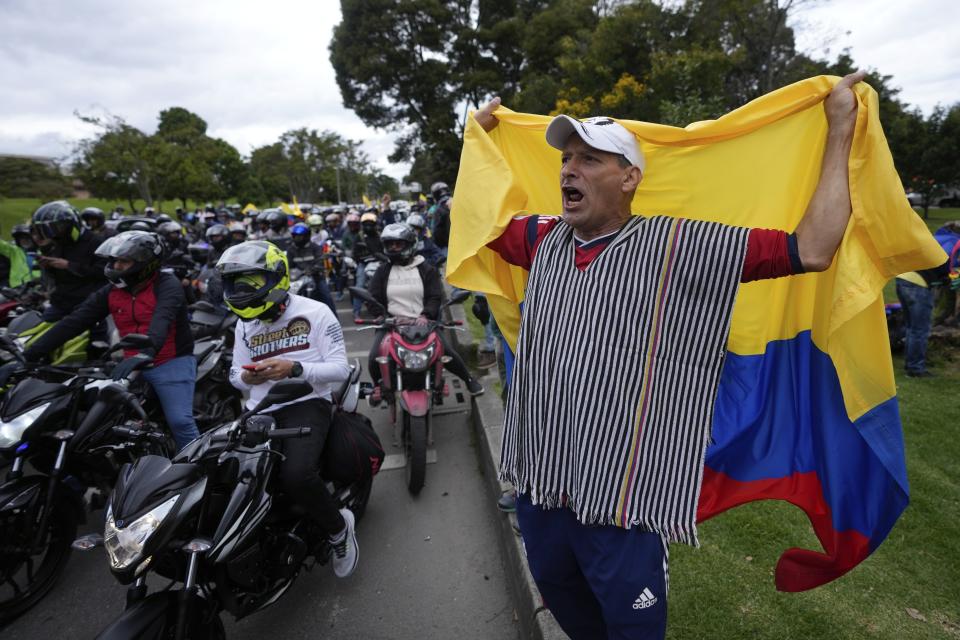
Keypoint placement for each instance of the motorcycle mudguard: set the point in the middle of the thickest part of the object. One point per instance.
(145, 619)
(416, 402)
(16, 494)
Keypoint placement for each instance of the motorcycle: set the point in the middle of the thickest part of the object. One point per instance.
(213, 520)
(62, 425)
(411, 373)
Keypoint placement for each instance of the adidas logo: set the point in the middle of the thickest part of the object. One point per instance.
(645, 600)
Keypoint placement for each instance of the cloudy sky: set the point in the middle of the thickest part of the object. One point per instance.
(255, 69)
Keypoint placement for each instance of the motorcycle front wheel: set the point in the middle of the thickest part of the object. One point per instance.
(26, 573)
(415, 448)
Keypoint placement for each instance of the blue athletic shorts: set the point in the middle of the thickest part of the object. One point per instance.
(597, 581)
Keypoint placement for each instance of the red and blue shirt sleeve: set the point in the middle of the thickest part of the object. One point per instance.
(771, 253)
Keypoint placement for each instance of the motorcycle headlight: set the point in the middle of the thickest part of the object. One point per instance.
(125, 544)
(415, 360)
(11, 432)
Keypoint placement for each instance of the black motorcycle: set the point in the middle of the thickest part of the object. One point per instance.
(65, 433)
(214, 521)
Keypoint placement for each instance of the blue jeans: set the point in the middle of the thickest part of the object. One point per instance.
(917, 304)
(174, 382)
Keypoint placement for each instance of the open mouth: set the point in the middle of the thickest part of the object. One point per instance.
(571, 195)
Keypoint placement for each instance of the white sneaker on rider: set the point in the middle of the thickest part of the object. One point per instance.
(344, 549)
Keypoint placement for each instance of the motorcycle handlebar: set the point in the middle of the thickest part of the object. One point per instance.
(296, 432)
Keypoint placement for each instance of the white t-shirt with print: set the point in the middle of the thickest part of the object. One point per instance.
(306, 332)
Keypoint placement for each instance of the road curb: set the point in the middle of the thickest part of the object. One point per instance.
(536, 623)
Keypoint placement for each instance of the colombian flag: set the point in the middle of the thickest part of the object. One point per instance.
(807, 409)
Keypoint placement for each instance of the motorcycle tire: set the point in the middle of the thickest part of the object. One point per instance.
(415, 448)
(52, 560)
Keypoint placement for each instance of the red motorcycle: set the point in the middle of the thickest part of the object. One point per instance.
(411, 380)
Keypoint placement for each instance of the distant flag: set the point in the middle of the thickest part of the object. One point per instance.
(423, 198)
(366, 200)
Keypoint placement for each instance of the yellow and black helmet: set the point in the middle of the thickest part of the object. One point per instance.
(256, 278)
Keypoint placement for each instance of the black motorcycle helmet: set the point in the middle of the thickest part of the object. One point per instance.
(57, 221)
(438, 190)
(93, 218)
(143, 248)
(199, 251)
(300, 234)
(399, 242)
(261, 221)
(22, 236)
(219, 236)
(171, 232)
(277, 221)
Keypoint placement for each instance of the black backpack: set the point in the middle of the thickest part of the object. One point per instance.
(353, 451)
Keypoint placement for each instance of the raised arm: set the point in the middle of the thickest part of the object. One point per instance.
(821, 229)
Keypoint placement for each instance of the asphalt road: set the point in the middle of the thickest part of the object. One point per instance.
(430, 567)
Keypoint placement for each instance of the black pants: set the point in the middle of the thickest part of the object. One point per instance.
(300, 473)
(456, 366)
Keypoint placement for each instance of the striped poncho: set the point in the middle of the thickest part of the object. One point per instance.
(617, 371)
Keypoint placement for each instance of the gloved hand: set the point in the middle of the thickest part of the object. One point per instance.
(129, 365)
(481, 309)
(422, 320)
(8, 370)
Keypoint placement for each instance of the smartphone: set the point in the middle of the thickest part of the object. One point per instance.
(250, 367)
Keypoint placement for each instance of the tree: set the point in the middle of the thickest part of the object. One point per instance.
(117, 162)
(26, 178)
(307, 165)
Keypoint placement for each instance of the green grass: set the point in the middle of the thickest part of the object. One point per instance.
(725, 589)
(16, 210)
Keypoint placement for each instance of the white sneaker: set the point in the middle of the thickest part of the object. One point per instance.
(345, 551)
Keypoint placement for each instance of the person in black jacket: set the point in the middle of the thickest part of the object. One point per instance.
(68, 259)
(140, 299)
(408, 287)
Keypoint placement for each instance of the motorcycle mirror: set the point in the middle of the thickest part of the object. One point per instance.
(367, 297)
(458, 297)
(203, 305)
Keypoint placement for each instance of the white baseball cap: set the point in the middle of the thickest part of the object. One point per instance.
(601, 133)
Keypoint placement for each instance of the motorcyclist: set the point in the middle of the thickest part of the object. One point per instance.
(308, 258)
(277, 231)
(408, 287)
(95, 220)
(441, 214)
(68, 258)
(219, 238)
(333, 226)
(319, 234)
(282, 336)
(426, 247)
(351, 234)
(140, 299)
(176, 257)
(238, 232)
(366, 248)
(24, 239)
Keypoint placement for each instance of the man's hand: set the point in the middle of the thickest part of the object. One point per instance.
(53, 263)
(841, 105)
(273, 369)
(484, 115)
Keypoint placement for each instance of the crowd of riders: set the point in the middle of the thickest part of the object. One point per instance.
(279, 270)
